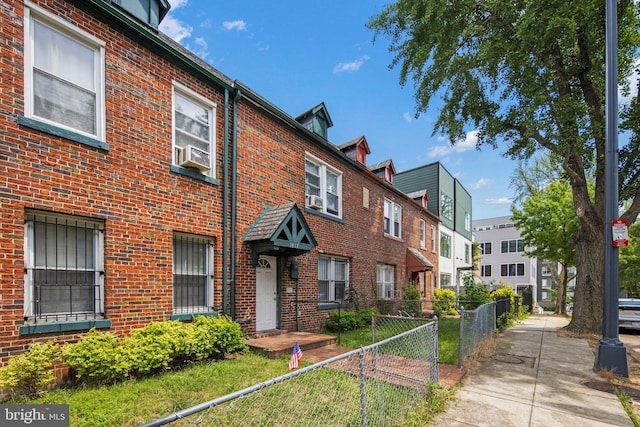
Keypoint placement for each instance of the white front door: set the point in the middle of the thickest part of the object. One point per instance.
(266, 293)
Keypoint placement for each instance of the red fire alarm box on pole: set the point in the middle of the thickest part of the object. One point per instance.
(620, 233)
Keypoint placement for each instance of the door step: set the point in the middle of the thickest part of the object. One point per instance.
(275, 346)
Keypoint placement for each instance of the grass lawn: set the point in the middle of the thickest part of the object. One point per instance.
(448, 339)
(137, 401)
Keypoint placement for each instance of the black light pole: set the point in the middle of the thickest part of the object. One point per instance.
(612, 355)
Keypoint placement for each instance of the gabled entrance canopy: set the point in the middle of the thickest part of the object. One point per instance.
(280, 230)
(417, 262)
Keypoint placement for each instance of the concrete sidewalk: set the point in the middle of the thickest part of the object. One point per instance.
(535, 378)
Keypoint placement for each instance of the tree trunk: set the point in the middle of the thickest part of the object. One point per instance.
(587, 305)
(557, 281)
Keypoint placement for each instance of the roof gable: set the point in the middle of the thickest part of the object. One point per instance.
(280, 229)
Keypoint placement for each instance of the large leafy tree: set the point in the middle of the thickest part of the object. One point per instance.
(547, 223)
(530, 73)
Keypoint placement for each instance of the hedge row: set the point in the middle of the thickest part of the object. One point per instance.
(103, 358)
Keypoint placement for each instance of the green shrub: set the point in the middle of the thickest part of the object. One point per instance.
(445, 301)
(97, 358)
(411, 295)
(504, 292)
(475, 294)
(215, 337)
(31, 372)
(452, 312)
(504, 321)
(342, 321)
(363, 317)
(145, 353)
(175, 332)
(103, 358)
(384, 306)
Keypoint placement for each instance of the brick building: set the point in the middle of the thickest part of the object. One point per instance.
(139, 184)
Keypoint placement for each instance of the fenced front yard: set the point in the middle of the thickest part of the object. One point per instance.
(378, 385)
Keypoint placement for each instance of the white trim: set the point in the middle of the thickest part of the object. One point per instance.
(209, 273)
(392, 206)
(324, 167)
(31, 12)
(29, 257)
(205, 103)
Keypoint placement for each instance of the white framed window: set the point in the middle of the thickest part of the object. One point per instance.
(446, 206)
(485, 270)
(64, 74)
(386, 285)
(193, 131)
(392, 219)
(467, 221)
(509, 246)
(333, 278)
(192, 273)
(516, 269)
(64, 267)
(445, 245)
(485, 247)
(434, 238)
(445, 281)
(467, 253)
(323, 187)
(423, 234)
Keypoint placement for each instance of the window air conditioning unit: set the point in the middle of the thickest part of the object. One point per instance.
(314, 202)
(191, 156)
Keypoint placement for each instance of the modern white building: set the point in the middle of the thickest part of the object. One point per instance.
(451, 203)
(503, 259)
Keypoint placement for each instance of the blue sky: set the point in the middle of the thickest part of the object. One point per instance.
(298, 54)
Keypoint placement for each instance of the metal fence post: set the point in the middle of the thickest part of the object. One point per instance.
(461, 338)
(435, 346)
(363, 393)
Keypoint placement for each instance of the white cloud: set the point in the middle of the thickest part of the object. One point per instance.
(175, 29)
(201, 48)
(407, 117)
(439, 151)
(468, 143)
(350, 66)
(481, 183)
(177, 3)
(262, 47)
(237, 25)
(500, 201)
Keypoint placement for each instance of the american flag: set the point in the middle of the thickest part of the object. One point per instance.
(296, 356)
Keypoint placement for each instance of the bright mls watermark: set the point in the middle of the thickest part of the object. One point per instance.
(34, 415)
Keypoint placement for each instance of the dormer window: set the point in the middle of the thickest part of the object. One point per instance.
(356, 149)
(317, 120)
(150, 12)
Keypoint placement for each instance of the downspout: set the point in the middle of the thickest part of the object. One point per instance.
(225, 204)
(234, 174)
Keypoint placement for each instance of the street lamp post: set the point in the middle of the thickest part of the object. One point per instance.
(611, 355)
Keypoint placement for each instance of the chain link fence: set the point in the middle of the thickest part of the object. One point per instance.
(378, 385)
(475, 327)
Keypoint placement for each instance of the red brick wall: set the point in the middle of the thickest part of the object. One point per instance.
(271, 159)
(130, 187)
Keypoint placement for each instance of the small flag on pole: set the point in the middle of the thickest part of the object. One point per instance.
(296, 356)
